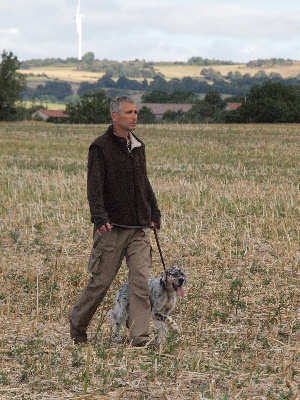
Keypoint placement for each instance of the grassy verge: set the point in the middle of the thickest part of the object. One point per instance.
(230, 202)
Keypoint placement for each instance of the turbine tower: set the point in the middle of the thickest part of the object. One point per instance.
(78, 17)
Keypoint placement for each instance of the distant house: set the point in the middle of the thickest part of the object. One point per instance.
(232, 106)
(51, 115)
(159, 109)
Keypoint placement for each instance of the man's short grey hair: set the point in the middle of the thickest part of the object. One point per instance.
(115, 104)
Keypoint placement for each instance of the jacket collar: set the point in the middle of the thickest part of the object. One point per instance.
(134, 141)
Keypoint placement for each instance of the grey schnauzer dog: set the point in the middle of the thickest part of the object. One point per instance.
(163, 292)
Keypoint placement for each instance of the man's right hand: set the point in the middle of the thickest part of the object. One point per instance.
(105, 227)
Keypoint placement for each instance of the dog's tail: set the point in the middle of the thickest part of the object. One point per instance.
(169, 321)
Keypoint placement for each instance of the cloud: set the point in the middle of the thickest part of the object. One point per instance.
(230, 20)
(9, 31)
(151, 29)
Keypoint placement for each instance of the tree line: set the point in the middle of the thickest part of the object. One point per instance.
(119, 76)
(234, 83)
(266, 101)
(89, 62)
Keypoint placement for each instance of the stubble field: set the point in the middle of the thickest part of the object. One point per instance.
(230, 201)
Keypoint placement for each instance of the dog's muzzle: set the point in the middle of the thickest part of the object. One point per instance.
(179, 287)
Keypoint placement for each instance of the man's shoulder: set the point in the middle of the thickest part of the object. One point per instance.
(102, 139)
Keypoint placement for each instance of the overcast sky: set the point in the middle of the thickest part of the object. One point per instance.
(151, 30)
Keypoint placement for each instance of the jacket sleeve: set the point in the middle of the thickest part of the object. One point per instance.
(155, 212)
(151, 198)
(95, 186)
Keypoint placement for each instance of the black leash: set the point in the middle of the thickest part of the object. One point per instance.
(138, 227)
(159, 248)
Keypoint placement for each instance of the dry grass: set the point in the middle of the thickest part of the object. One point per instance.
(179, 71)
(230, 200)
(68, 74)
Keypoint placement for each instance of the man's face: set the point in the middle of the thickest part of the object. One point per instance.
(126, 119)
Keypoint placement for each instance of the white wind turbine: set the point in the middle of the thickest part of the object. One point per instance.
(78, 17)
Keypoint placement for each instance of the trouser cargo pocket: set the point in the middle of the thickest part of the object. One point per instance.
(106, 242)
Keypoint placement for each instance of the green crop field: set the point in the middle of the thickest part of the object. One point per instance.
(230, 201)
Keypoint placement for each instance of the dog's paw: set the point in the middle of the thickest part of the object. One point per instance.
(175, 328)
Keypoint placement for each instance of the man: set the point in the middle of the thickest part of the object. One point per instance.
(123, 207)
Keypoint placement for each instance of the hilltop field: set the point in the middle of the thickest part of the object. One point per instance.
(71, 74)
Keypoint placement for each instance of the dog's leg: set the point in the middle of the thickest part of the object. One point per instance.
(168, 321)
(116, 324)
(120, 314)
(162, 330)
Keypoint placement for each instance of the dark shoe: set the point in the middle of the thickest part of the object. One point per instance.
(77, 336)
(151, 344)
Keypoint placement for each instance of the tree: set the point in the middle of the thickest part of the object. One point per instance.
(146, 116)
(207, 110)
(176, 97)
(128, 84)
(57, 89)
(273, 102)
(275, 77)
(182, 97)
(106, 81)
(93, 108)
(260, 76)
(158, 83)
(12, 84)
(214, 99)
(174, 117)
(212, 75)
(200, 112)
(189, 84)
(89, 58)
(156, 96)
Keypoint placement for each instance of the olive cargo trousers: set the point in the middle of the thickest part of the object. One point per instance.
(104, 263)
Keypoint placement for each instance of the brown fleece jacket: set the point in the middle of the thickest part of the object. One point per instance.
(118, 188)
